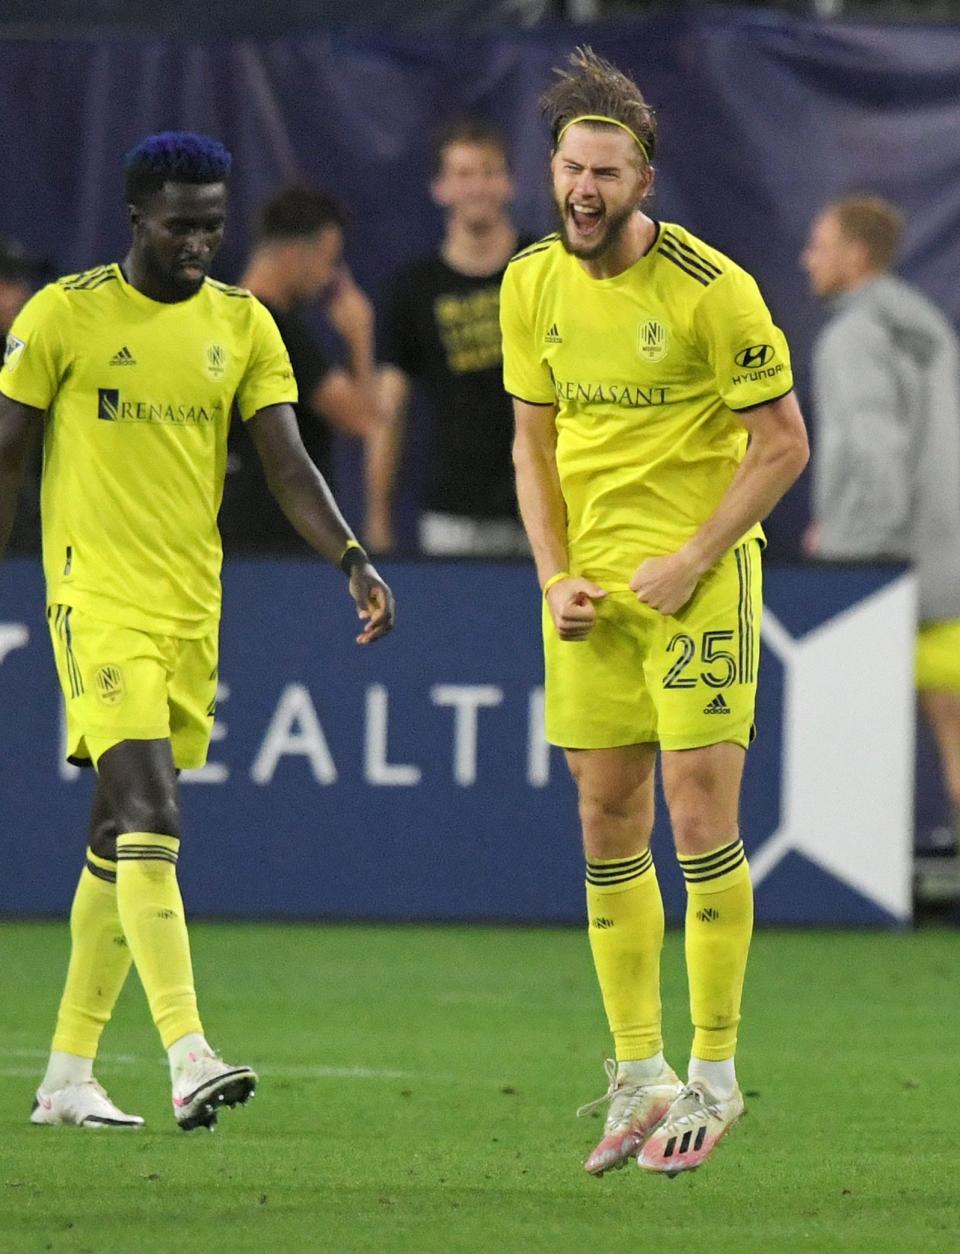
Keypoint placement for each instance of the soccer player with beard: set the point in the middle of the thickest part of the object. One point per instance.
(655, 428)
(137, 367)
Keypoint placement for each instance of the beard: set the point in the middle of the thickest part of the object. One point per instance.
(170, 279)
(611, 233)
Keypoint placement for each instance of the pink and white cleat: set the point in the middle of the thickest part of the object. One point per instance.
(84, 1105)
(636, 1107)
(690, 1130)
(204, 1085)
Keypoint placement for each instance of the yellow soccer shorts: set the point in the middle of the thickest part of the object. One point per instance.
(123, 684)
(938, 655)
(686, 680)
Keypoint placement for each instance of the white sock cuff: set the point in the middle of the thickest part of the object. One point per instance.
(642, 1069)
(719, 1077)
(180, 1051)
(64, 1070)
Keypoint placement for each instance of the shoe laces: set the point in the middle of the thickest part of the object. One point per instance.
(697, 1105)
(622, 1097)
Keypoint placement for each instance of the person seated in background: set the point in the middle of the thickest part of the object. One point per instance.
(20, 274)
(440, 329)
(297, 260)
(886, 462)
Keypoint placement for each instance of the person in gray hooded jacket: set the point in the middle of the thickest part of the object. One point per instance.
(886, 462)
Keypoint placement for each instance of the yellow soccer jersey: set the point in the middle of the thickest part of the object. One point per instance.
(139, 396)
(647, 371)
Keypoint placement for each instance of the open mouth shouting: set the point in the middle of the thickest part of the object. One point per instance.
(585, 219)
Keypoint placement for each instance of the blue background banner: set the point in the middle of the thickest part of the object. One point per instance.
(763, 118)
(410, 780)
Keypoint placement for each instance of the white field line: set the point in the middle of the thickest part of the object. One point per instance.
(293, 1071)
(104, 1057)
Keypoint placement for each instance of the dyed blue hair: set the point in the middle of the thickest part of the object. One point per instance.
(174, 157)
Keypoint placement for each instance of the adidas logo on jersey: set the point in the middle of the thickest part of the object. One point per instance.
(123, 358)
(717, 706)
(553, 336)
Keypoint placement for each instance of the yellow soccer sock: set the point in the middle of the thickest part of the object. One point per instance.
(719, 924)
(151, 910)
(625, 911)
(99, 961)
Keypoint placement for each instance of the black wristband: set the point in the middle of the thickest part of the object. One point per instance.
(353, 555)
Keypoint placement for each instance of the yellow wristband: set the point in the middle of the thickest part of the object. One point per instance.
(563, 574)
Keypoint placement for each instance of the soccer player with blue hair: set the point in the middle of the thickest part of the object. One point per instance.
(134, 369)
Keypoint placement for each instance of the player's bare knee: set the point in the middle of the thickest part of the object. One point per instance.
(699, 830)
(597, 811)
(141, 812)
(614, 826)
(103, 839)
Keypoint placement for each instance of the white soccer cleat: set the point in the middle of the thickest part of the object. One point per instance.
(635, 1109)
(204, 1085)
(690, 1130)
(83, 1105)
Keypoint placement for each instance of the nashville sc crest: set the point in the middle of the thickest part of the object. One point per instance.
(215, 360)
(652, 340)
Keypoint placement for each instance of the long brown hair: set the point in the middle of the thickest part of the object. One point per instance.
(594, 86)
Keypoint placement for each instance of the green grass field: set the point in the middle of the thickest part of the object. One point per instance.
(418, 1088)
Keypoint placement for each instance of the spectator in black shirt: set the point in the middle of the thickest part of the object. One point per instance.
(441, 329)
(298, 259)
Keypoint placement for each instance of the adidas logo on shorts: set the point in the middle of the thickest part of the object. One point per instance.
(717, 705)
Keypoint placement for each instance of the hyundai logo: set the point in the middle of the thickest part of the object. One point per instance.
(755, 356)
